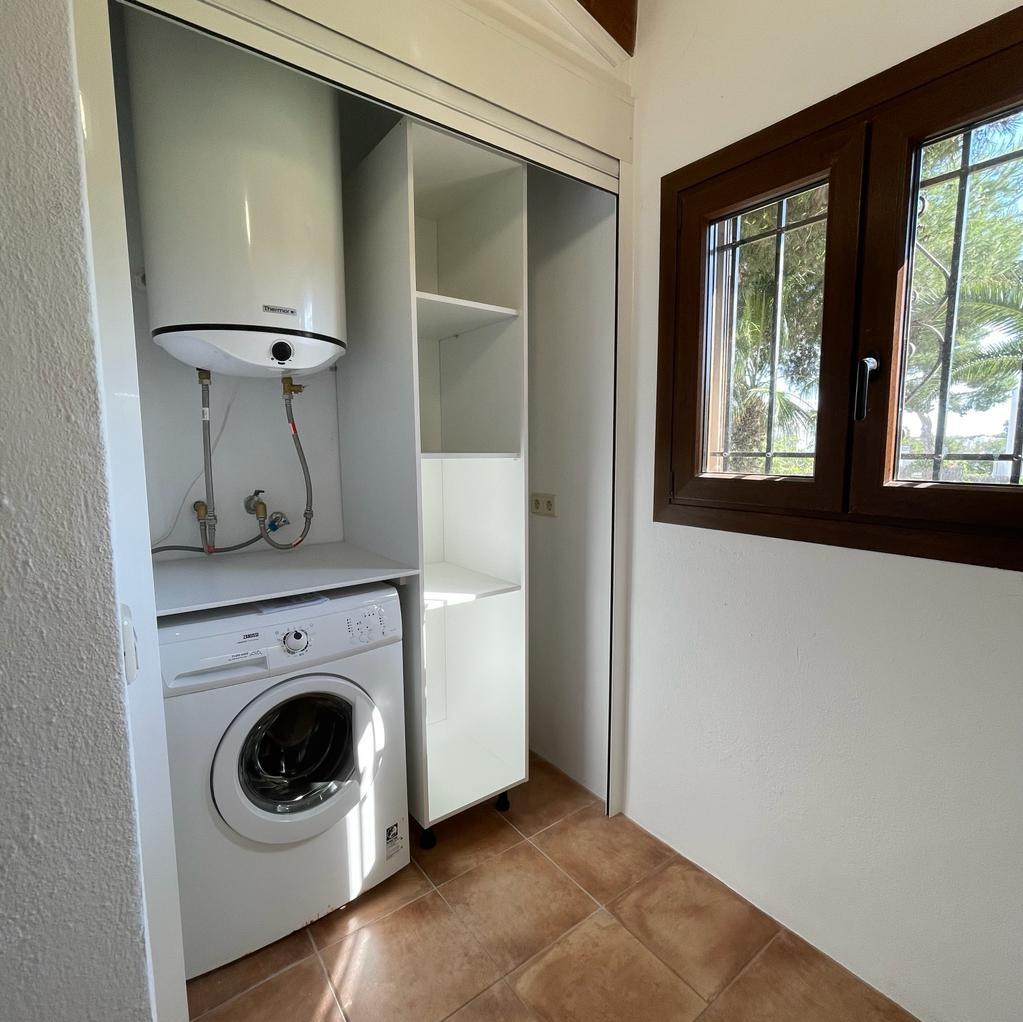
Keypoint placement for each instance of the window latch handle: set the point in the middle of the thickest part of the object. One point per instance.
(865, 368)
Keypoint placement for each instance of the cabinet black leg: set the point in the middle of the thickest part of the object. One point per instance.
(428, 839)
(503, 803)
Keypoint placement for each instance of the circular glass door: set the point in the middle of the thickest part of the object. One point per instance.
(299, 753)
(297, 759)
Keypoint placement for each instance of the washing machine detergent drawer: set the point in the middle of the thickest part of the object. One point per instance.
(289, 800)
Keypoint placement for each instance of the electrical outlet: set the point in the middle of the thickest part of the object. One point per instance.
(544, 504)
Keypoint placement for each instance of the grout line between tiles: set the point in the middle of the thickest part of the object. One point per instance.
(504, 982)
(673, 857)
(484, 862)
(265, 979)
(547, 947)
(475, 865)
(465, 926)
(565, 872)
(376, 919)
(602, 904)
(567, 816)
(326, 976)
(504, 975)
(742, 972)
(513, 827)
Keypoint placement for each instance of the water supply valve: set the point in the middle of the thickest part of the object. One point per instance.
(252, 500)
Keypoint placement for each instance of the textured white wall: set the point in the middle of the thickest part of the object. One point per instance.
(71, 944)
(836, 734)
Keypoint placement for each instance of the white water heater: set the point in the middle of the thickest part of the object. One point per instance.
(239, 176)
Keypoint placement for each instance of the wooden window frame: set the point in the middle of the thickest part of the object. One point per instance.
(835, 157)
(852, 500)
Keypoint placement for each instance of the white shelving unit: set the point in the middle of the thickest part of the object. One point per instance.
(200, 583)
(469, 223)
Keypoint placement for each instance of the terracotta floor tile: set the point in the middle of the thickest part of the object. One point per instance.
(419, 963)
(406, 885)
(464, 841)
(213, 988)
(695, 924)
(498, 1004)
(517, 904)
(600, 973)
(301, 994)
(548, 796)
(792, 980)
(604, 854)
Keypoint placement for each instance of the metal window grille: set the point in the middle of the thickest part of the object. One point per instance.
(938, 456)
(726, 242)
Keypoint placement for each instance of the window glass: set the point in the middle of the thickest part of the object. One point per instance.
(962, 356)
(765, 306)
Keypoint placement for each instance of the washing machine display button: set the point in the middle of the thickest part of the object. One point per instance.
(296, 641)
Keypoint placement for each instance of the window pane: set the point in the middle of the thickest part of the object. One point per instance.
(940, 157)
(756, 221)
(813, 202)
(997, 138)
(799, 358)
(963, 344)
(764, 358)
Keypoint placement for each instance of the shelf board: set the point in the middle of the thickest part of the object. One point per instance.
(440, 316)
(200, 583)
(470, 455)
(446, 584)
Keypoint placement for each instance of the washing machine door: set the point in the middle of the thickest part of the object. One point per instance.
(297, 759)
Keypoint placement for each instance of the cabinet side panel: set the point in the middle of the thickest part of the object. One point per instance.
(377, 377)
(379, 403)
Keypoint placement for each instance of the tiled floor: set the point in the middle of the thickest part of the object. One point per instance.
(548, 912)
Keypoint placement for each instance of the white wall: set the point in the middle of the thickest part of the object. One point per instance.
(571, 441)
(836, 734)
(71, 943)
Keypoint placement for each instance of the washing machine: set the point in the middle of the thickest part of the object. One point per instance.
(286, 740)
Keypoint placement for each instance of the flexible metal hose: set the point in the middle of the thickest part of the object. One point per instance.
(202, 550)
(308, 514)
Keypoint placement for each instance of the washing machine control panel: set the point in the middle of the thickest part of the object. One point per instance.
(285, 635)
(339, 633)
(366, 625)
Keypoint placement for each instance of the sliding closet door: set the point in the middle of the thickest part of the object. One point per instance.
(572, 288)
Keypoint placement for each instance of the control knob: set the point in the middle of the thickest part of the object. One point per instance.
(296, 641)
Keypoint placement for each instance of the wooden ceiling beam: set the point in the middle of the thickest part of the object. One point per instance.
(617, 17)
